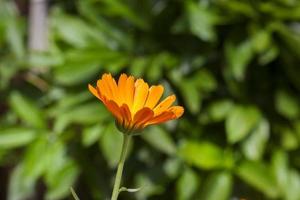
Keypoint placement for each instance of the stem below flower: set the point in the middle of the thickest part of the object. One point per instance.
(126, 139)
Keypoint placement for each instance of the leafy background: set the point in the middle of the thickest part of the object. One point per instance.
(234, 66)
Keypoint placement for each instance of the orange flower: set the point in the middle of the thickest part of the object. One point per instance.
(133, 103)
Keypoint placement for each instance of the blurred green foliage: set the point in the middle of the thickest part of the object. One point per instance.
(233, 64)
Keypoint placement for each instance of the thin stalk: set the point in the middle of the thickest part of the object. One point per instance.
(118, 179)
(74, 194)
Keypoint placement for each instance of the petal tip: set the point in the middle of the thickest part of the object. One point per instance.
(177, 111)
(90, 86)
(94, 91)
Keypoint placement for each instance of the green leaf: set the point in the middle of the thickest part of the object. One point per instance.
(13, 29)
(238, 58)
(296, 126)
(269, 55)
(7, 72)
(201, 21)
(290, 10)
(61, 181)
(280, 168)
(34, 162)
(82, 65)
(16, 137)
(19, 186)
(293, 185)
(261, 41)
(149, 186)
(44, 153)
(111, 144)
(67, 102)
(76, 71)
(56, 152)
(75, 31)
(187, 184)
(26, 110)
(138, 66)
(121, 9)
(258, 175)
(159, 139)
(238, 8)
(288, 36)
(62, 173)
(289, 140)
(172, 167)
(156, 64)
(84, 114)
(287, 104)
(114, 36)
(45, 59)
(254, 146)
(92, 134)
(191, 95)
(205, 155)
(288, 180)
(240, 122)
(218, 110)
(205, 81)
(217, 186)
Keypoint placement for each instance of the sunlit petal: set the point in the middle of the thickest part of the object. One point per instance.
(104, 89)
(129, 88)
(122, 88)
(164, 105)
(155, 93)
(94, 91)
(177, 110)
(140, 95)
(112, 85)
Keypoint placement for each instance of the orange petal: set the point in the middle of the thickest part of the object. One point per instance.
(94, 91)
(155, 92)
(122, 88)
(114, 109)
(163, 117)
(129, 88)
(104, 89)
(126, 114)
(177, 110)
(164, 105)
(112, 85)
(140, 95)
(142, 116)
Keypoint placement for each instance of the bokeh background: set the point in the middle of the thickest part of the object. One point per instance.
(233, 64)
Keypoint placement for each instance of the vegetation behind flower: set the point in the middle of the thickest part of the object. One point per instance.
(233, 65)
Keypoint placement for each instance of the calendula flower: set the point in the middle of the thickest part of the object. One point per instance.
(133, 103)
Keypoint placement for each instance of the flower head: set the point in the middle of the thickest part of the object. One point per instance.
(133, 103)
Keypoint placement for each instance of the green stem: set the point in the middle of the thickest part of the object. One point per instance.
(74, 194)
(117, 184)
